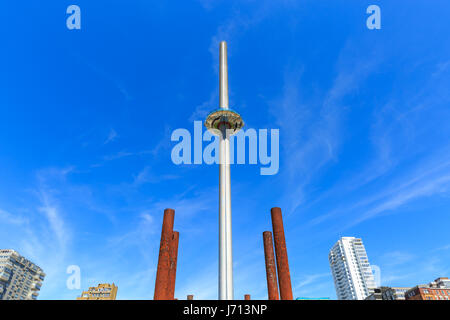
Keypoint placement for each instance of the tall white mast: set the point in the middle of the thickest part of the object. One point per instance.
(224, 122)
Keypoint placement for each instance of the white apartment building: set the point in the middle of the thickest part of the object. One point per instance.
(20, 279)
(352, 273)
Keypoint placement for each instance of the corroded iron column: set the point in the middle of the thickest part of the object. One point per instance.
(162, 272)
(173, 254)
(271, 269)
(284, 277)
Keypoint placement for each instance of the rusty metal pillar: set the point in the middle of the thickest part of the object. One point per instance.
(247, 297)
(162, 272)
(284, 277)
(173, 254)
(190, 297)
(271, 269)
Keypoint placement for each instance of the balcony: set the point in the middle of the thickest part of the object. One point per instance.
(8, 264)
(33, 295)
(36, 287)
(4, 276)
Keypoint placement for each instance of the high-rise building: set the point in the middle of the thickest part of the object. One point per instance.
(438, 289)
(352, 273)
(20, 279)
(103, 291)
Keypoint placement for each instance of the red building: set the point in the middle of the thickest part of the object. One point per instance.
(439, 289)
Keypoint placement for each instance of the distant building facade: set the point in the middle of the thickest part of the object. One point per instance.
(103, 291)
(375, 295)
(20, 279)
(388, 293)
(395, 293)
(438, 289)
(352, 274)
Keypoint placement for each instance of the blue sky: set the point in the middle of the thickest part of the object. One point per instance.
(86, 119)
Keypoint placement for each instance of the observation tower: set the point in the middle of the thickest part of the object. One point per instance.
(224, 122)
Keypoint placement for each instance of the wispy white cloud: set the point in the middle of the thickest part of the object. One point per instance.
(312, 285)
(9, 218)
(309, 279)
(156, 151)
(395, 258)
(111, 136)
(57, 225)
(202, 110)
(147, 176)
(49, 207)
(443, 248)
(394, 279)
(409, 159)
(441, 68)
(311, 134)
(41, 232)
(428, 178)
(119, 155)
(230, 30)
(437, 185)
(203, 284)
(141, 235)
(107, 75)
